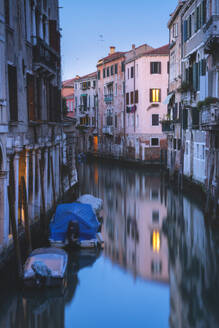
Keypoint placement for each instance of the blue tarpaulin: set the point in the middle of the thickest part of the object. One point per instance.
(82, 213)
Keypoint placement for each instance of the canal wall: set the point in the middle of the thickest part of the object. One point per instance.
(39, 238)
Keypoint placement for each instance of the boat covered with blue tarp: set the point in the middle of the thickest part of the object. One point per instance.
(83, 214)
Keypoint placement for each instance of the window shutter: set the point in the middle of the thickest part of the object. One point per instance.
(152, 67)
(136, 96)
(127, 98)
(151, 95)
(159, 95)
(12, 85)
(194, 79)
(30, 97)
(116, 68)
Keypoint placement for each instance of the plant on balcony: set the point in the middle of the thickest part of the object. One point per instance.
(185, 87)
(208, 101)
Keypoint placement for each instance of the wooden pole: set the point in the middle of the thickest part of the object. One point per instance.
(42, 191)
(26, 217)
(53, 183)
(11, 202)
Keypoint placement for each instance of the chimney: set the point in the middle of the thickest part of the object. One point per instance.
(112, 50)
(133, 46)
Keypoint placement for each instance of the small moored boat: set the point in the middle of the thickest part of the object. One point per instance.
(75, 225)
(45, 267)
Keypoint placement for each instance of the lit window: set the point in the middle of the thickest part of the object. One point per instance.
(155, 241)
(155, 95)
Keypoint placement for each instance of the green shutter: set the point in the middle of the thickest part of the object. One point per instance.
(194, 76)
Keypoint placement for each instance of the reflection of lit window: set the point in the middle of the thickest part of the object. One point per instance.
(156, 267)
(154, 194)
(155, 216)
(155, 240)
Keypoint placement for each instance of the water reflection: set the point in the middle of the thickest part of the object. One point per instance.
(159, 267)
(193, 265)
(134, 211)
(44, 308)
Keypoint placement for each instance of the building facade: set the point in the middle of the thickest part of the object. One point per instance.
(68, 97)
(111, 94)
(146, 83)
(33, 145)
(86, 112)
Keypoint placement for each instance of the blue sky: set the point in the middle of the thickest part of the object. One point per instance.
(89, 28)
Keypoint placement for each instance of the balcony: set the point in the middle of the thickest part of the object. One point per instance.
(108, 130)
(44, 57)
(108, 99)
(211, 37)
(167, 126)
(210, 117)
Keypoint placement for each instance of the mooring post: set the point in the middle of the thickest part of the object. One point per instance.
(53, 183)
(11, 202)
(42, 193)
(26, 217)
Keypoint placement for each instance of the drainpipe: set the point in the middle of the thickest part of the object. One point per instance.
(124, 117)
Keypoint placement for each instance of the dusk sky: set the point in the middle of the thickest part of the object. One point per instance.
(89, 28)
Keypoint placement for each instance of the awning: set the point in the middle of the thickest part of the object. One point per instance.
(168, 98)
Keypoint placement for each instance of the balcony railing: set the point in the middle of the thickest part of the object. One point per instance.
(108, 130)
(210, 117)
(108, 99)
(211, 34)
(167, 126)
(44, 55)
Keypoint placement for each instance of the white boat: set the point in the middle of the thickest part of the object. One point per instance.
(45, 267)
(96, 203)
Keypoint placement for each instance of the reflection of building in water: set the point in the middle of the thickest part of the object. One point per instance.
(134, 209)
(194, 266)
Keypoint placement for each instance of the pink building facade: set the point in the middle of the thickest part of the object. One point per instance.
(146, 87)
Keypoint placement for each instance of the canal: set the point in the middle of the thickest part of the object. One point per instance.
(159, 266)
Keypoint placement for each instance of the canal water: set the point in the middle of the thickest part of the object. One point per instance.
(159, 267)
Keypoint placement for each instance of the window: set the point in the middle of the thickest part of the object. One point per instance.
(115, 89)
(104, 73)
(128, 73)
(155, 67)
(155, 95)
(108, 71)
(94, 84)
(115, 120)
(136, 96)
(175, 30)
(132, 97)
(168, 69)
(127, 98)
(30, 97)
(132, 72)
(116, 68)
(7, 12)
(155, 119)
(112, 70)
(154, 142)
(123, 66)
(98, 75)
(123, 88)
(12, 85)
